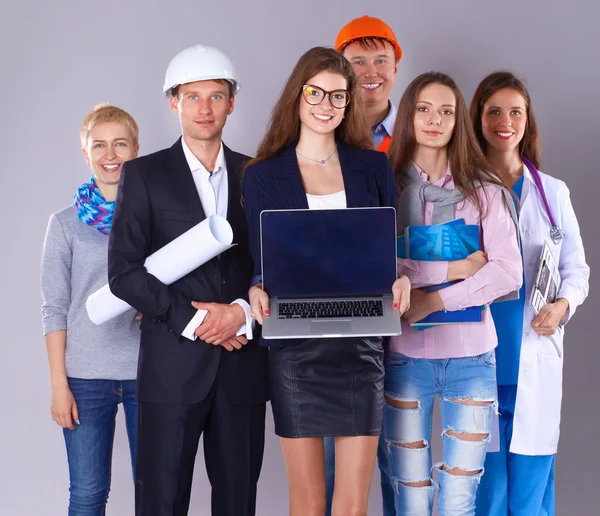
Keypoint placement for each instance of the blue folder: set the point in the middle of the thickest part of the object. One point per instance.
(469, 314)
(454, 240)
(401, 248)
(443, 242)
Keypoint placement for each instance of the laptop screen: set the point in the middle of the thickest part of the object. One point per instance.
(321, 253)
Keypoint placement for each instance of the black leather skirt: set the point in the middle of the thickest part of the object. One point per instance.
(327, 387)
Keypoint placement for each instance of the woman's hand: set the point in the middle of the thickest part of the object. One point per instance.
(422, 304)
(259, 303)
(463, 269)
(401, 292)
(63, 407)
(547, 321)
(474, 262)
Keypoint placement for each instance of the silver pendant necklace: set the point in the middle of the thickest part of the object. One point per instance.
(321, 161)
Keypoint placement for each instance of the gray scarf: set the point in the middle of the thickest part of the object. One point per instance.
(411, 207)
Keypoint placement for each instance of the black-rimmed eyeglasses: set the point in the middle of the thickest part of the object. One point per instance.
(314, 95)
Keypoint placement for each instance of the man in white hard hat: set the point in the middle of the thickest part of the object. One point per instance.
(195, 375)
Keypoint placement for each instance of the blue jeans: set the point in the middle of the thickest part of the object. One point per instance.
(89, 446)
(418, 382)
(519, 485)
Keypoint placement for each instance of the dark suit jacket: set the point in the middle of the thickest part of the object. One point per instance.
(157, 202)
(276, 184)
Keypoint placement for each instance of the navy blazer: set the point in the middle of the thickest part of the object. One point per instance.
(276, 184)
(158, 201)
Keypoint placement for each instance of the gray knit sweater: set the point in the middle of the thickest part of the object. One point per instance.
(74, 265)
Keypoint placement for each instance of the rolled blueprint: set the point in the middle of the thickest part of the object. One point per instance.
(170, 263)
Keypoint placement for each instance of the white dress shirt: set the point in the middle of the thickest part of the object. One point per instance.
(213, 192)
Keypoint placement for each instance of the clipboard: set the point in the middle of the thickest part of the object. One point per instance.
(547, 280)
(546, 285)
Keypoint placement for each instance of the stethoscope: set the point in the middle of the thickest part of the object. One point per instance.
(556, 234)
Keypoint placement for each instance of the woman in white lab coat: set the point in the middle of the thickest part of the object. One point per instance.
(519, 479)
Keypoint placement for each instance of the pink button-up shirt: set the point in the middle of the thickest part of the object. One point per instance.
(502, 274)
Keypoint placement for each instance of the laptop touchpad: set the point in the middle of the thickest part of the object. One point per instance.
(330, 327)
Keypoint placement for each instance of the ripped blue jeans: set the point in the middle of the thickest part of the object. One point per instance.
(467, 389)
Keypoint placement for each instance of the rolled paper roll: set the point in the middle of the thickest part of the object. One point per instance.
(170, 263)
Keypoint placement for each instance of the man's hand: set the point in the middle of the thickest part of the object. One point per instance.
(401, 292)
(547, 321)
(221, 323)
(422, 304)
(234, 343)
(64, 408)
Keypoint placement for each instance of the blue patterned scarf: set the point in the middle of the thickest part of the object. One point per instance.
(92, 208)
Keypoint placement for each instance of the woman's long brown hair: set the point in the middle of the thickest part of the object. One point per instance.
(284, 127)
(529, 146)
(469, 167)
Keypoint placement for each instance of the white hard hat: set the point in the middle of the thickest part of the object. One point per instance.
(199, 63)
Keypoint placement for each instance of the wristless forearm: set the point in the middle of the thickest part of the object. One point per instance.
(457, 270)
(55, 348)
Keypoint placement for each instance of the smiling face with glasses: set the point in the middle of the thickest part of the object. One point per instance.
(325, 99)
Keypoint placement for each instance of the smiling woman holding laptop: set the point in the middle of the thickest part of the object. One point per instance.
(316, 155)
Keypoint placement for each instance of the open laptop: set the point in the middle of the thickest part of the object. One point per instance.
(329, 273)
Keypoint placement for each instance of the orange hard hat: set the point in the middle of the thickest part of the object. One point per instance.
(366, 27)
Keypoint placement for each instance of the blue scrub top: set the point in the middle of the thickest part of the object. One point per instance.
(508, 318)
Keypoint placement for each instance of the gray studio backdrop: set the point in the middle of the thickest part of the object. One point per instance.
(58, 59)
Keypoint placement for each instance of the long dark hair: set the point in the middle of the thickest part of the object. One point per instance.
(284, 127)
(529, 146)
(469, 167)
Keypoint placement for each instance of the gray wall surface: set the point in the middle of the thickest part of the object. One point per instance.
(58, 59)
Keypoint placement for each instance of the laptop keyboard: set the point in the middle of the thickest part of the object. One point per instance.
(330, 309)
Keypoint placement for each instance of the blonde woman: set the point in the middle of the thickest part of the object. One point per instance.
(92, 368)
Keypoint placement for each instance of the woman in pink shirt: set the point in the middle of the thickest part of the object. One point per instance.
(443, 175)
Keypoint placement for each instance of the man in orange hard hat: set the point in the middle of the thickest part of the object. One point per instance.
(374, 52)
(372, 48)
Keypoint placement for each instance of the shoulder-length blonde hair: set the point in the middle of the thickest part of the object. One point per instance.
(284, 126)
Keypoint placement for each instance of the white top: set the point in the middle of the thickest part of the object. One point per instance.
(213, 188)
(334, 201)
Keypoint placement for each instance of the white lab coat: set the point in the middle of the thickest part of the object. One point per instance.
(539, 389)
